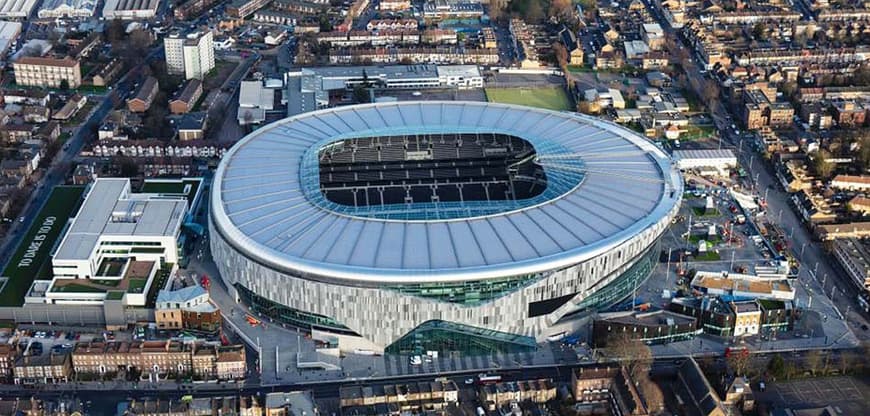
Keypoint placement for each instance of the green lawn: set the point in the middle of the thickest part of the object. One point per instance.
(136, 285)
(579, 68)
(702, 212)
(80, 116)
(549, 98)
(157, 284)
(708, 256)
(31, 257)
(115, 295)
(710, 239)
(698, 132)
(77, 288)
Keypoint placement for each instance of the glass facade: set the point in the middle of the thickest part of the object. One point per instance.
(448, 336)
(467, 293)
(290, 316)
(621, 287)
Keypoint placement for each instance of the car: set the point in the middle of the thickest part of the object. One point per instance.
(469, 381)
(864, 327)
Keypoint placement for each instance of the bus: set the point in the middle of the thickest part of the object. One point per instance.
(483, 378)
(733, 351)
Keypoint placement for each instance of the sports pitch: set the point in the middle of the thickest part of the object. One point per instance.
(548, 98)
(31, 258)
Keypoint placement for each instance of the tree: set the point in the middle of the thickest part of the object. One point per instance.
(325, 24)
(847, 360)
(651, 393)
(534, 12)
(822, 164)
(789, 88)
(361, 94)
(64, 85)
(710, 93)
(561, 54)
(128, 167)
(864, 151)
(136, 46)
(635, 355)
(497, 8)
(813, 361)
(776, 366)
(739, 361)
(115, 31)
(759, 31)
(560, 9)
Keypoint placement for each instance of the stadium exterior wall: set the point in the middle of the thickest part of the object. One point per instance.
(382, 316)
(515, 299)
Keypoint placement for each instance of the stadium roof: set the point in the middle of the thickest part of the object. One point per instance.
(614, 184)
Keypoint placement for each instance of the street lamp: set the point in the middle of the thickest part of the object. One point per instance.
(803, 246)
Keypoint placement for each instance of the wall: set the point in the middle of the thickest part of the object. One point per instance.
(72, 315)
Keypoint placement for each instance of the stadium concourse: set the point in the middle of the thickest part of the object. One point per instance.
(447, 226)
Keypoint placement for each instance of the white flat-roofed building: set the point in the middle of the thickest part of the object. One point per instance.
(252, 94)
(254, 101)
(720, 159)
(130, 9)
(16, 9)
(9, 31)
(461, 76)
(115, 223)
(51, 9)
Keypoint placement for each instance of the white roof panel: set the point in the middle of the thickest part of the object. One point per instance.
(260, 205)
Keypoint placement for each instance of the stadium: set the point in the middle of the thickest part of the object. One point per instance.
(449, 226)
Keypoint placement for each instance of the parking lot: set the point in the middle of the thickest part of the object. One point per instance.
(848, 395)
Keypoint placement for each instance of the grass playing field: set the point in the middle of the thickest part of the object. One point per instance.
(32, 255)
(549, 98)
